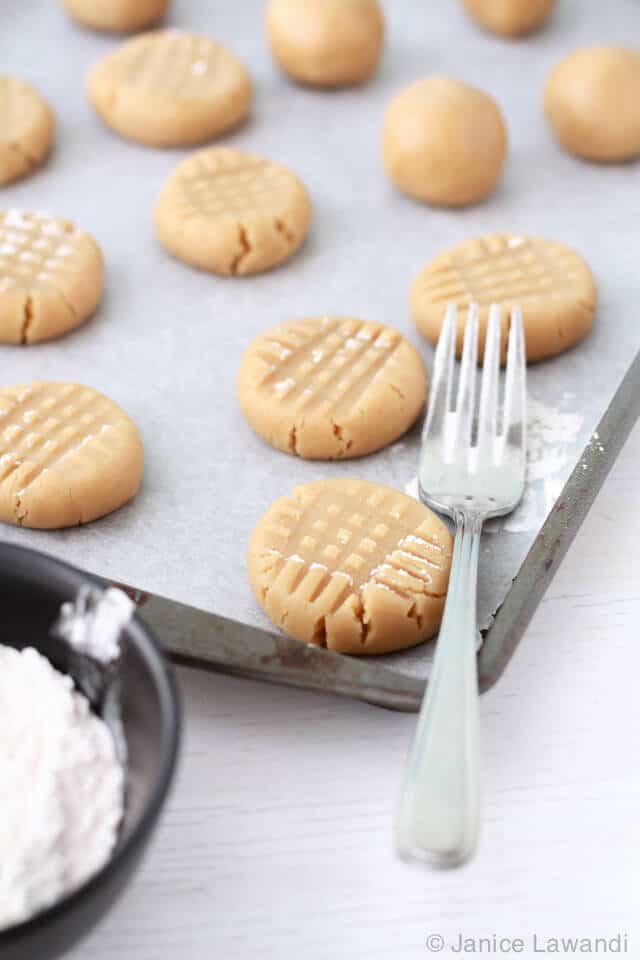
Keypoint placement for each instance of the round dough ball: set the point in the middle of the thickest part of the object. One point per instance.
(232, 212)
(326, 43)
(68, 455)
(116, 16)
(510, 18)
(551, 283)
(330, 388)
(170, 88)
(352, 566)
(444, 142)
(592, 101)
(26, 128)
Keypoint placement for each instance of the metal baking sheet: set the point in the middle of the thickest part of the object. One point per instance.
(167, 340)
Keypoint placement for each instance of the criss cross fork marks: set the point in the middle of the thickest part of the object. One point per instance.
(326, 365)
(502, 268)
(175, 64)
(36, 250)
(212, 184)
(334, 540)
(44, 424)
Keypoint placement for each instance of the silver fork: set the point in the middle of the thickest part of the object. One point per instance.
(472, 467)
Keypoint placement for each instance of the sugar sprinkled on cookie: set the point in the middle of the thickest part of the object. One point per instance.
(68, 455)
(550, 282)
(51, 276)
(331, 387)
(170, 88)
(351, 565)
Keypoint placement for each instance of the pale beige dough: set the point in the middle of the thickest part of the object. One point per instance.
(592, 101)
(330, 388)
(51, 276)
(444, 142)
(231, 212)
(550, 282)
(326, 43)
(116, 16)
(170, 88)
(511, 18)
(351, 565)
(26, 128)
(68, 455)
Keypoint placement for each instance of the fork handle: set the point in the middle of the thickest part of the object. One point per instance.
(439, 809)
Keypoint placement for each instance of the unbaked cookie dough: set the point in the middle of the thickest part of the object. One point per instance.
(351, 565)
(26, 128)
(510, 18)
(551, 284)
(51, 276)
(116, 16)
(68, 455)
(444, 142)
(170, 88)
(330, 388)
(231, 212)
(592, 101)
(326, 43)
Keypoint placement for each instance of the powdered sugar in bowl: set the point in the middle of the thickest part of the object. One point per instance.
(33, 588)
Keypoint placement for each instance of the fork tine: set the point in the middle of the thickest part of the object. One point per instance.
(488, 415)
(442, 384)
(514, 423)
(465, 401)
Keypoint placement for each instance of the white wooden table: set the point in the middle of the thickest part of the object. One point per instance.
(277, 841)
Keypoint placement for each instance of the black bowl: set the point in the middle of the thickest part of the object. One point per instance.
(32, 588)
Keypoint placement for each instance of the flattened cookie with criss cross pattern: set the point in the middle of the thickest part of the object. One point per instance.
(26, 128)
(51, 276)
(68, 455)
(232, 212)
(550, 282)
(351, 565)
(168, 88)
(331, 387)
